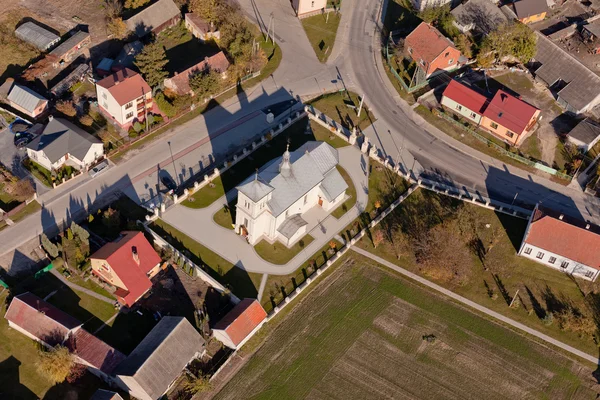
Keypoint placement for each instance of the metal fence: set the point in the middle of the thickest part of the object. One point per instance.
(408, 89)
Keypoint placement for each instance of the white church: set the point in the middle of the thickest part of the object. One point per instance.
(272, 202)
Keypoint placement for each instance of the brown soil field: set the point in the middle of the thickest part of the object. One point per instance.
(360, 335)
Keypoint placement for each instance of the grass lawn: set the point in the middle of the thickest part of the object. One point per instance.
(351, 192)
(240, 282)
(225, 217)
(541, 290)
(7, 201)
(366, 320)
(385, 186)
(321, 31)
(41, 173)
(560, 156)
(277, 253)
(240, 171)
(336, 107)
(531, 147)
(323, 135)
(91, 285)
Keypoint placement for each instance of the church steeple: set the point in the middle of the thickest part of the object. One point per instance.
(285, 167)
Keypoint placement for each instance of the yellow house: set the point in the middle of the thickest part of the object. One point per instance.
(530, 11)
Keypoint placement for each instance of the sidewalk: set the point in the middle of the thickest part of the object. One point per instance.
(80, 288)
(477, 307)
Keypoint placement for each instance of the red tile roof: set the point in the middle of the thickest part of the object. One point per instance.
(40, 319)
(512, 113)
(119, 255)
(567, 237)
(239, 322)
(125, 85)
(466, 96)
(181, 81)
(94, 351)
(426, 43)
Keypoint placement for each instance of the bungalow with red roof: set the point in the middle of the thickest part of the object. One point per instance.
(431, 50)
(125, 98)
(180, 83)
(239, 324)
(509, 118)
(562, 242)
(127, 263)
(464, 101)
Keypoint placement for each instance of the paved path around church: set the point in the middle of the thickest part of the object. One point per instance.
(199, 225)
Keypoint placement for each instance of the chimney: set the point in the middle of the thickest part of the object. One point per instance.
(561, 216)
(587, 226)
(50, 117)
(135, 254)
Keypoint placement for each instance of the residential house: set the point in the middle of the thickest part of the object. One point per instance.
(464, 101)
(530, 11)
(200, 28)
(125, 97)
(432, 51)
(71, 48)
(509, 118)
(23, 99)
(40, 320)
(239, 324)
(154, 365)
(576, 88)
(154, 19)
(271, 203)
(590, 33)
(102, 394)
(62, 143)
(34, 34)
(585, 135)
(562, 242)
(180, 83)
(306, 8)
(46, 324)
(128, 262)
(420, 5)
(481, 16)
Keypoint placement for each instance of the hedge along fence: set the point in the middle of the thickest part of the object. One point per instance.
(189, 266)
(268, 135)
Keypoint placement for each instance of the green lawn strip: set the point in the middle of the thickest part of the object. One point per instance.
(531, 147)
(321, 31)
(350, 192)
(324, 135)
(536, 283)
(278, 253)
(239, 172)
(334, 106)
(279, 286)
(240, 282)
(39, 172)
(90, 285)
(385, 186)
(225, 217)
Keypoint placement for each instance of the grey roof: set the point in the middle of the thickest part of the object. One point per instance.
(36, 35)
(527, 8)
(586, 131)
(74, 76)
(333, 185)
(593, 28)
(25, 97)
(102, 394)
(128, 53)
(484, 14)
(152, 17)
(255, 189)
(309, 165)
(583, 86)
(160, 358)
(290, 226)
(68, 44)
(61, 137)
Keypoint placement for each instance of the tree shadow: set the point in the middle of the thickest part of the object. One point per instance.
(540, 312)
(10, 387)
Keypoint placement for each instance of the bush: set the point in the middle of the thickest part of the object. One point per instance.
(137, 127)
(165, 105)
(86, 120)
(67, 108)
(132, 133)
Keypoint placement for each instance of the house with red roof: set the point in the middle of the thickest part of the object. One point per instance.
(431, 50)
(180, 83)
(464, 101)
(509, 118)
(562, 242)
(99, 358)
(239, 324)
(125, 98)
(128, 263)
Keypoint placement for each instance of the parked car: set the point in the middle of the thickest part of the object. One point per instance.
(22, 138)
(98, 169)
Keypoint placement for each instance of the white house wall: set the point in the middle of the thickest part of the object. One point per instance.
(464, 111)
(574, 267)
(109, 104)
(96, 151)
(223, 337)
(40, 158)
(306, 6)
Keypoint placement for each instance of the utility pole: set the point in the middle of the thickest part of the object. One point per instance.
(362, 99)
(273, 36)
(514, 298)
(145, 110)
(269, 27)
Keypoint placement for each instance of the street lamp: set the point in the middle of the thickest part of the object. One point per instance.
(173, 160)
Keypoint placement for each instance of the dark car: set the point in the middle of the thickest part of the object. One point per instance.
(22, 139)
(168, 182)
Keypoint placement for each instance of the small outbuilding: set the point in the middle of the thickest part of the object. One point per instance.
(34, 34)
(68, 50)
(239, 324)
(23, 99)
(154, 19)
(200, 28)
(481, 16)
(585, 135)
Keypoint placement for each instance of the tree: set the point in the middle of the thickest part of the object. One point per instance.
(86, 120)
(116, 27)
(514, 40)
(165, 105)
(133, 4)
(152, 61)
(113, 8)
(208, 10)
(55, 364)
(137, 127)
(66, 107)
(79, 231)
(200, 384)
(205, 82)
(111, 218)
(464, 44)
(378, 237)
(50, 247)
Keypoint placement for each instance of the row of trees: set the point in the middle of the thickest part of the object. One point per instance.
(74, 246)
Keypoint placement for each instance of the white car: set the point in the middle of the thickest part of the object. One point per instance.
(98, 169)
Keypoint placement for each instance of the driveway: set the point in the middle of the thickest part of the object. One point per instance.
(199, 225)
